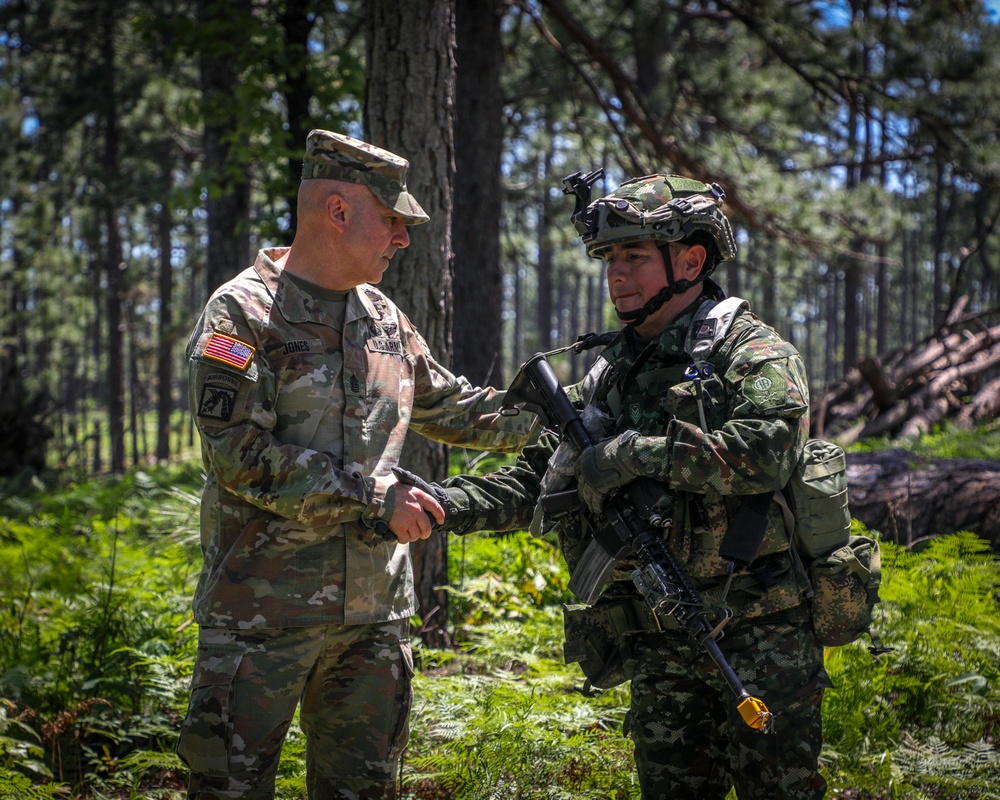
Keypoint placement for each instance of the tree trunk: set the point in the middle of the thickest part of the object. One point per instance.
(228, 199)
(476, 229)
(409, 109)
(113, 251)
(133, 381)
(907, 500)
(297, 23)
(938, 244)
(545, 257)
(165, 335)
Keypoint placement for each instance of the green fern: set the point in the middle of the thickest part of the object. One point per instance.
(916, 720)
(15, 786)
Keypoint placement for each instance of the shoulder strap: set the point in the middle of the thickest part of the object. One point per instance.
(711, 324)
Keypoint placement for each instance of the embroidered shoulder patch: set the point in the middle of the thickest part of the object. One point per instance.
(766, 388)
(228, 350)
(217, 402)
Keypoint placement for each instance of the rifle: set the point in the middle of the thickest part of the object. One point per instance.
(629, 523)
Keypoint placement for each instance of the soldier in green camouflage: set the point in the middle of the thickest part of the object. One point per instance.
(304, 380)
(717, 433)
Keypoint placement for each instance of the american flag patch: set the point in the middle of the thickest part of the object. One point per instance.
(229, 350)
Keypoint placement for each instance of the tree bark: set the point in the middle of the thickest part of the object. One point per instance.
(228, 198)
(165, 332)
(113, 265)
(476, 230)
(409, 109)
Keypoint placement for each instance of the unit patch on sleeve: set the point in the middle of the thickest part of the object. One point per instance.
(217, 402)
(228, 350)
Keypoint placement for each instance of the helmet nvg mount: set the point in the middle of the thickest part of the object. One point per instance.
(663, 208)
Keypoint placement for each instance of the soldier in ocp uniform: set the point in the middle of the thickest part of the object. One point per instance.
(720, 434)
(304, 380)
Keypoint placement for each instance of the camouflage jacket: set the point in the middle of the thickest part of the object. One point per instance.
(296, 419)
(756, 407)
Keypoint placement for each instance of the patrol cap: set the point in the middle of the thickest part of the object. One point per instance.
(337, 157)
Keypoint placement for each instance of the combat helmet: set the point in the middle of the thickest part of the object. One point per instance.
(660, 208)
(663, 208)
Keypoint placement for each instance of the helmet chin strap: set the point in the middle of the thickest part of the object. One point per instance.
(637, 316)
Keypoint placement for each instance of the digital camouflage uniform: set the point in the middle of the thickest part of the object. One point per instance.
(690, 742)
(298, 413)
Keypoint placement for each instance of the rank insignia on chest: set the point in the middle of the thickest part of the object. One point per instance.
(228, 350)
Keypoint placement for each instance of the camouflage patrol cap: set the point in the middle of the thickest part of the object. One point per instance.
(667, 208)
(337, 157)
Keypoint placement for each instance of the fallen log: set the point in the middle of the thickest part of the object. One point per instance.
(909, 500)
(950, 376)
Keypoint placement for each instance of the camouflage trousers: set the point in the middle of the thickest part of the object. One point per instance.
(690, 741)
(354, 686)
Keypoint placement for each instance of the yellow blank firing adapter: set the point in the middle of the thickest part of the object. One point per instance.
(755, 713)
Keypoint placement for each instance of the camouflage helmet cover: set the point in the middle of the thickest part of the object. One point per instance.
(667, 208)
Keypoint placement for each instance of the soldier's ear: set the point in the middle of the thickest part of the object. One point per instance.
(338, 211)
(692, 261)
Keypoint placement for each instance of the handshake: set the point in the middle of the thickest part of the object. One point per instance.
(507, 499)
(458, 514)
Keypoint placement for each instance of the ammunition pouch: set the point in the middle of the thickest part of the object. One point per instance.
(597, 638)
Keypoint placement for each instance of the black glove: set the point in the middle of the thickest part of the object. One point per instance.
(458, 517)
(604, 467)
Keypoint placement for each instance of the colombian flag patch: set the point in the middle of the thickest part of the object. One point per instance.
(229, 350)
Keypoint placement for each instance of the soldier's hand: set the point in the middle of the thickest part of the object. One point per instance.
(413, 512)
(458, 517)
(604, 467)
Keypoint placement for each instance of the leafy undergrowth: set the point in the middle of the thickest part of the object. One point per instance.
(96, 648)
(948, 441)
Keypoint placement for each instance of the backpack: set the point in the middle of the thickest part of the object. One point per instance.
(843, 571)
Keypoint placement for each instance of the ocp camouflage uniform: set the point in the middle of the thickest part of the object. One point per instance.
(302, 398)
(690, 742)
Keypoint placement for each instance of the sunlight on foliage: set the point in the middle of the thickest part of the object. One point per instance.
(97, 645)
(947, 441)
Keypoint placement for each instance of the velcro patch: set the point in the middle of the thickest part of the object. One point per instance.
(705, 329)
(217, 402)
(228, 350)
(383, 344)
(766, 388)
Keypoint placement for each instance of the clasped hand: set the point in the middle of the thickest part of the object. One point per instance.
(414, 510)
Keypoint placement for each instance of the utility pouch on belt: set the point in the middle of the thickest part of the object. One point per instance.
(845, 590)
(595, 639)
